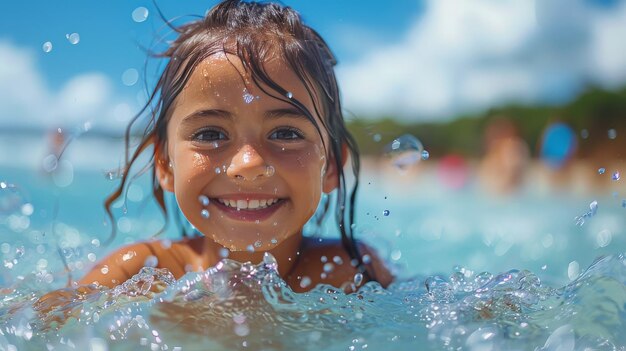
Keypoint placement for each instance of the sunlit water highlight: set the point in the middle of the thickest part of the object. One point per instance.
(243, 306)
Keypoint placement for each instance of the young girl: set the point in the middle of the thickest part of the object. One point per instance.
(247, 132)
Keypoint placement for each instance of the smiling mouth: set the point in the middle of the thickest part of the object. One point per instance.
(256, 204)
(255, 210)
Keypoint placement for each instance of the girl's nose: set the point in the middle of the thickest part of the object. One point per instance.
(247, 164)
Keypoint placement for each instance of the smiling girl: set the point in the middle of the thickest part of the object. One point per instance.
(247, 133)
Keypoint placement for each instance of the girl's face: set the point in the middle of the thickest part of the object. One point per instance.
(258, 161)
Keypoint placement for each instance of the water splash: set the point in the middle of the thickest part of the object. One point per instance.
(233, 303)
(593, 208)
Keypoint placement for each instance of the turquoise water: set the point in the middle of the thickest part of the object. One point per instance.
(476, 272)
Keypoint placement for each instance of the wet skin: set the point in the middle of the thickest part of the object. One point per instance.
(230, 143)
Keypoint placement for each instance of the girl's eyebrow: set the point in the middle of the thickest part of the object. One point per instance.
(202, 114)
(290, 112)
(285, 112)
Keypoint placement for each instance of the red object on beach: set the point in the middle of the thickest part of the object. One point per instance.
(453, 171)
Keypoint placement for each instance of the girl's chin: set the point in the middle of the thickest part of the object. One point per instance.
(259, 245)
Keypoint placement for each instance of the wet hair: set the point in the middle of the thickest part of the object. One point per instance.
(254, 32)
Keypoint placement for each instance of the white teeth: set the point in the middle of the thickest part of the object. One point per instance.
(242, 204)
(248, 204)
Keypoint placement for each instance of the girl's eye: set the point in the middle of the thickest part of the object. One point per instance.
(287, 134)
(209, 135)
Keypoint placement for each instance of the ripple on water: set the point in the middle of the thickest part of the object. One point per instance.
(233, 303)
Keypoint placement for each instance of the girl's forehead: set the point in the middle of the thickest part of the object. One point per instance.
(223, 68)
(221, 80)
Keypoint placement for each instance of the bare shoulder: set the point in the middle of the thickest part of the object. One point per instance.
(327, 262)
(176, 256)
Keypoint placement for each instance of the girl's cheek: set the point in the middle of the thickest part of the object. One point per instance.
(201, 162)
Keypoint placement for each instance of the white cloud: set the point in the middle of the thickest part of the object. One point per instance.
(469, 55)
(26, 100)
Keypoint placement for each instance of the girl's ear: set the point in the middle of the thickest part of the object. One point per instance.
(331, 176)
(164, 171)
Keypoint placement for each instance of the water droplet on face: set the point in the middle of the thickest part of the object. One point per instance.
(140, 14)
(305, 281)
(104, 270)
(405, 151)
(204, 200)
(205, 213)
(130, 77)
(218, 170)
(274, 241)
(47, 47)
(250, 248)
(386, 212)
(601, 170)
(425, 155)
(247, 97)
(257, 243)
(246, 157)
(269, 171)
(377, 137)
(329, 267)
(338, 260)
(95, 242)
(73, 38)
(367, 259)
(324, 259)
(612, 133)
(615, 176)
(289, 95)
(358, 279)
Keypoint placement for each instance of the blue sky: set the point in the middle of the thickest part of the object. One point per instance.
(417, 60)
(108, 34)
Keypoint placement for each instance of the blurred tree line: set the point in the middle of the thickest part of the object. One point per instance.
(591, 116)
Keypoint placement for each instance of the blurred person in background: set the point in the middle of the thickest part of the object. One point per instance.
(502, 169)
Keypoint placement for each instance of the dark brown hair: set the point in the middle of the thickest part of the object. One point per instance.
(253, 31)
